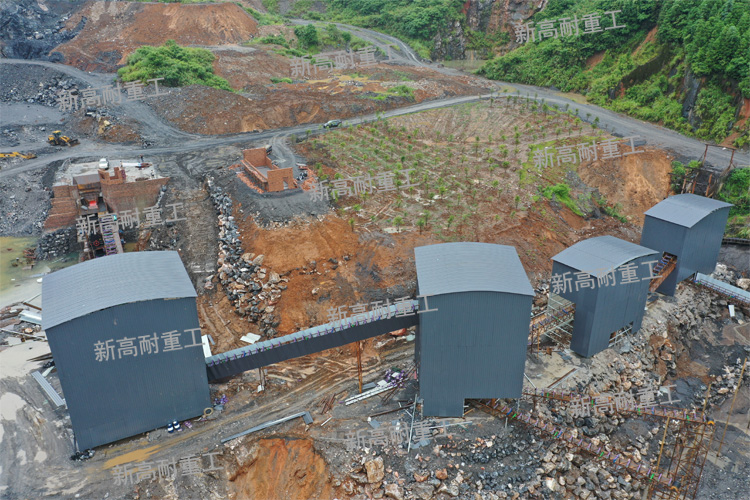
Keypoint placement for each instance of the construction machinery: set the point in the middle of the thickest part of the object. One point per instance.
(57, 139)
(16, 154)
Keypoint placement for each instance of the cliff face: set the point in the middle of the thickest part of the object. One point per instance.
(485, 17)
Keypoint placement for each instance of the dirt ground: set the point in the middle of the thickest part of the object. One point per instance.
(114, 30)
(334, 254)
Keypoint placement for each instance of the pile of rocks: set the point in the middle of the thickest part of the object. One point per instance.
(252, 289)
(557, 472)
(46, 93)
(55, 244)
(725, 384)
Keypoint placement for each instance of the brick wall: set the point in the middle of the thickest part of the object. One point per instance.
(64, 191)
(257, 157)
(129, 195)
(63, 213)
(64, 208)
(255, 176)
(277, 177)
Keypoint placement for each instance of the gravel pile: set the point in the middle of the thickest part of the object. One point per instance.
(58, 243)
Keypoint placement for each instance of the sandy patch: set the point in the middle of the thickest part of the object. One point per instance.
(14, 362)
(10, 403)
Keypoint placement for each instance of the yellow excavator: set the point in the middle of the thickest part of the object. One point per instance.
(16, 154)
(57, 139)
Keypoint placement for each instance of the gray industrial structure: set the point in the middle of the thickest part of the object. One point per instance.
(602, 308)
(104, 305)
(474, 345)
(689, 227)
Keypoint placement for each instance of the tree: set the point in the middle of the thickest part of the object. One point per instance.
(398, 221)
(307, 36)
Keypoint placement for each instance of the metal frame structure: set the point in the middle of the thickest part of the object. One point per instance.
(684, 460)
(554, 323)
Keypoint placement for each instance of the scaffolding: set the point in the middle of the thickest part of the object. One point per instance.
(555, 325)
(680, 465)
(610, 456)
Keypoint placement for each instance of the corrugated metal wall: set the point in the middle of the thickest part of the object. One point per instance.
(696, 248)
(474, 346)
(702, 245)
(603, 310)
(115, 399)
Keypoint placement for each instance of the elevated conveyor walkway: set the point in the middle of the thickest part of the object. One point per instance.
(730, 293)
(662, 270)
(312, 340)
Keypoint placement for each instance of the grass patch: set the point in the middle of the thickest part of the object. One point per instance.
(561, 193)
(263, 18)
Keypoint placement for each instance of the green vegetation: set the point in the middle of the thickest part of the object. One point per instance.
(736, 190)
(275, 79)
(274, 40)
(678, 176)
(264, 19)
(307, 37)
(175, 1)
(397, 91)
(561, 193)
(179, 66)
(703, 39)
(414, 21)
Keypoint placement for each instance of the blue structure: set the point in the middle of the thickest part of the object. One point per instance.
(689, 227)
(607, 278)
(472, 337)
(124, 334)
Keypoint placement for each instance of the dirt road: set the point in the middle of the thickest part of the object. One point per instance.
(172, 140)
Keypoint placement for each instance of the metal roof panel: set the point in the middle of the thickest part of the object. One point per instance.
(110, 281)
(470, 267)
(600, 255)
(685, 209)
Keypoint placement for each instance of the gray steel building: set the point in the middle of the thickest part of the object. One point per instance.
(124, 334)
(690, 227)
(602, 308)
(471, 343)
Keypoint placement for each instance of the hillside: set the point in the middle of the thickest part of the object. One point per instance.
(684, 65)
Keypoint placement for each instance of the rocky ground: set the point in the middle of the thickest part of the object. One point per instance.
(32, 28)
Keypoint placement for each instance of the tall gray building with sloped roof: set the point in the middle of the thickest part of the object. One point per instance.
(472, 341)
(607, 279)
(124, 334)
(689, 227)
